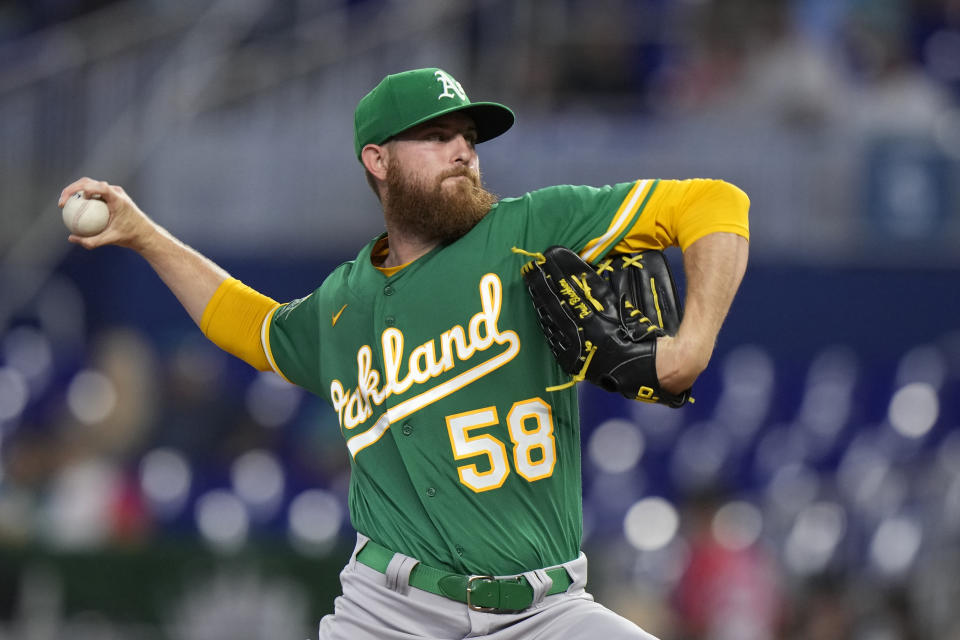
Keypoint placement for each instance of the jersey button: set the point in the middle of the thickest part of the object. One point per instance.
(389, 321)
(406, 429)
(388, 290)
(431, 492)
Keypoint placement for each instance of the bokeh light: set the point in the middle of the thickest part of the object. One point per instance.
(78, 514)
(13, 393)
(814, 537)
(165, 479)
(650, 524)
(222, 520)
(29, 351)
(914, 409)
(737, 525)
(271, 400)
(895, 544)
(257, 478)
(91, 396)
(315, 518)
(616, 446)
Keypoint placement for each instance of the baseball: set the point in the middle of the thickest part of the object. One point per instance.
(85, 217)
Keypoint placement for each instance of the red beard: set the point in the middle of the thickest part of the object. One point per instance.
(435, 212)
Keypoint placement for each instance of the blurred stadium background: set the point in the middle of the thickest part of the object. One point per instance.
(152, 487)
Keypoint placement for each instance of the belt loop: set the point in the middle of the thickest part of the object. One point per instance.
(540, 582)
(577, 570)
(398, 573)
(362, 540)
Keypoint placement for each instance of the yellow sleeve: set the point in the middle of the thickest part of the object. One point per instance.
(233, 319)
(680, 212)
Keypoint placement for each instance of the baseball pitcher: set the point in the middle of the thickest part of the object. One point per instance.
(461, 426)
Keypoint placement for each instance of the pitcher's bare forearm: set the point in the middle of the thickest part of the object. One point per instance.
(189, 275)
(714, 267)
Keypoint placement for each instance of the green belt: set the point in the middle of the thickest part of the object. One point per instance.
(480, 593)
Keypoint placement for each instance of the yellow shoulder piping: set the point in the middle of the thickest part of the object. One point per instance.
(596, 247)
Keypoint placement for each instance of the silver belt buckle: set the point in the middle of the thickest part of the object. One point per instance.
(470, 604)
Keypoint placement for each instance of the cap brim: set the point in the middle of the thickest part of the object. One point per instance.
(490, 118)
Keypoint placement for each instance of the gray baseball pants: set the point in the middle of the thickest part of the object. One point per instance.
(378, 606)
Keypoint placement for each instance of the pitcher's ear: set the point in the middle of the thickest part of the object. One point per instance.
(374, 158)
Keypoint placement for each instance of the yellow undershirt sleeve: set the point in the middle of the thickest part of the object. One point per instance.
(233, 318)
(680, 212)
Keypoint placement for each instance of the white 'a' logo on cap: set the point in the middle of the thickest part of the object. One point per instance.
(451, 88)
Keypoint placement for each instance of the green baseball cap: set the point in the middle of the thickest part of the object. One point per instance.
(406, 99)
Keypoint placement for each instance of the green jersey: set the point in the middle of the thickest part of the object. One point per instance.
(460, 456)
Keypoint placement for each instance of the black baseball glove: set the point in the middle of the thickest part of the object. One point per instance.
(603, 324)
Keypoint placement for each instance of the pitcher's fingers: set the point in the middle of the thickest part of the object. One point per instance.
(89, 186)
(88, 242)
(70, 189)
